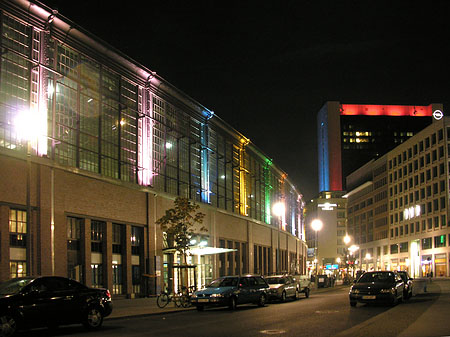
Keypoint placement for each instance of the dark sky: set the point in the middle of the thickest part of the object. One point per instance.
(267, 67)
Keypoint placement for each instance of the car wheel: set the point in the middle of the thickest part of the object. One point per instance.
(262, 300)
(94, 318)
(307, 292)
(283, 296)
(394, 300)
(200, 308)
(352, 304)
(402, 296)
(8, 325)
(233, 304)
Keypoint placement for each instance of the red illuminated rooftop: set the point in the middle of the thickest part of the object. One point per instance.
(386, 110)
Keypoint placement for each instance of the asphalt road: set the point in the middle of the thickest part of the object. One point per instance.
(323, 314)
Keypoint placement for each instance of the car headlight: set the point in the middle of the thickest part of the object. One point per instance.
(194, 296)
(217, 295)
(387, 291)
(354, 291)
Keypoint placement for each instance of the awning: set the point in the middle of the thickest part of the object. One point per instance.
(209, 250)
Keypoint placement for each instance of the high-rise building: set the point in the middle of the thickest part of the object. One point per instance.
(350, 135)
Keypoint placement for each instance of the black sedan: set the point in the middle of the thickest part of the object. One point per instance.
(377, 286)
(231, 291)
(407, 293)
(49, 301)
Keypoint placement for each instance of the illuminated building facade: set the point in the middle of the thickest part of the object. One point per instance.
(326, 246)
(94, 147)
(398, 205)
(350, 135)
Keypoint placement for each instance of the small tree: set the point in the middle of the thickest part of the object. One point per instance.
(179, 223)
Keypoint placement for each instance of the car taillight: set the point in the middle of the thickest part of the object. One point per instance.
(108, 294)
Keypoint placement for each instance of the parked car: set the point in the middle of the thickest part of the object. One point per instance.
(49, 301)
(282, 287)
(359, 273)
(303, 284)
(377, 286)
(407, 293)
(231, 291)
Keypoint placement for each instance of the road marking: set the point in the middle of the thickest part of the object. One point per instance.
(273, 332)
(326, 311)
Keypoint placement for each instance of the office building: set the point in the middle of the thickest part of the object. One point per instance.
(398, 206)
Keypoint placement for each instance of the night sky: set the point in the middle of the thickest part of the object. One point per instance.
(266, 68)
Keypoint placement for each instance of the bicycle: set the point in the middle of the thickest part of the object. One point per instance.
(164, 298)
(185, 296)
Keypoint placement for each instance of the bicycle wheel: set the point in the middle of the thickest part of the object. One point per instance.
(162, 300)
(177, 300)
(185, 301)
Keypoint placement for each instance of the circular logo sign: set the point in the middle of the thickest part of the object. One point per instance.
(438, 114)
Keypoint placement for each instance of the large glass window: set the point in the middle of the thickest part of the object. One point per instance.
(440, 241)
(97, 230)
(18, 269)
(18, 228)
(427, 243)
(74, 261)
(14, 78)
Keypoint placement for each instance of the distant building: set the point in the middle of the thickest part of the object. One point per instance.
(349, 135)
(398, 206)
(326, 245)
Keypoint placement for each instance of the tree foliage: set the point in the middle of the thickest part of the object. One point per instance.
(179, 223)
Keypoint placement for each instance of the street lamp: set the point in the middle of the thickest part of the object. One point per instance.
(31, 126)
(347, 239)
(352, 249)
(368, 257)
(317, 225)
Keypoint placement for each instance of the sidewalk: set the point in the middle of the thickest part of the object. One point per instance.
(147, 305)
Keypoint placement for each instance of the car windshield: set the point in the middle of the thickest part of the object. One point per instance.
(13, 286)
(376, 278)
(224, 282)
(275, 280)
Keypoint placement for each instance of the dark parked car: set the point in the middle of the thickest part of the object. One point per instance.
(49, 301)
(377, 286)
(407, 293)
(231, 291)
(282, 286)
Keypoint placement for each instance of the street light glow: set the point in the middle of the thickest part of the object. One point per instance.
(278, 209)
(347, 239)
(316, 225)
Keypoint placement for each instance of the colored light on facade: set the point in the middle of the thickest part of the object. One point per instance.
(386, 110)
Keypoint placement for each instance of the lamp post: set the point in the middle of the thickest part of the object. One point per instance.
(31, 127)
(352, 249)
(368, 257)
(317, 225)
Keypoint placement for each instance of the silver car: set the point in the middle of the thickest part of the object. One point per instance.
(282, 287)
